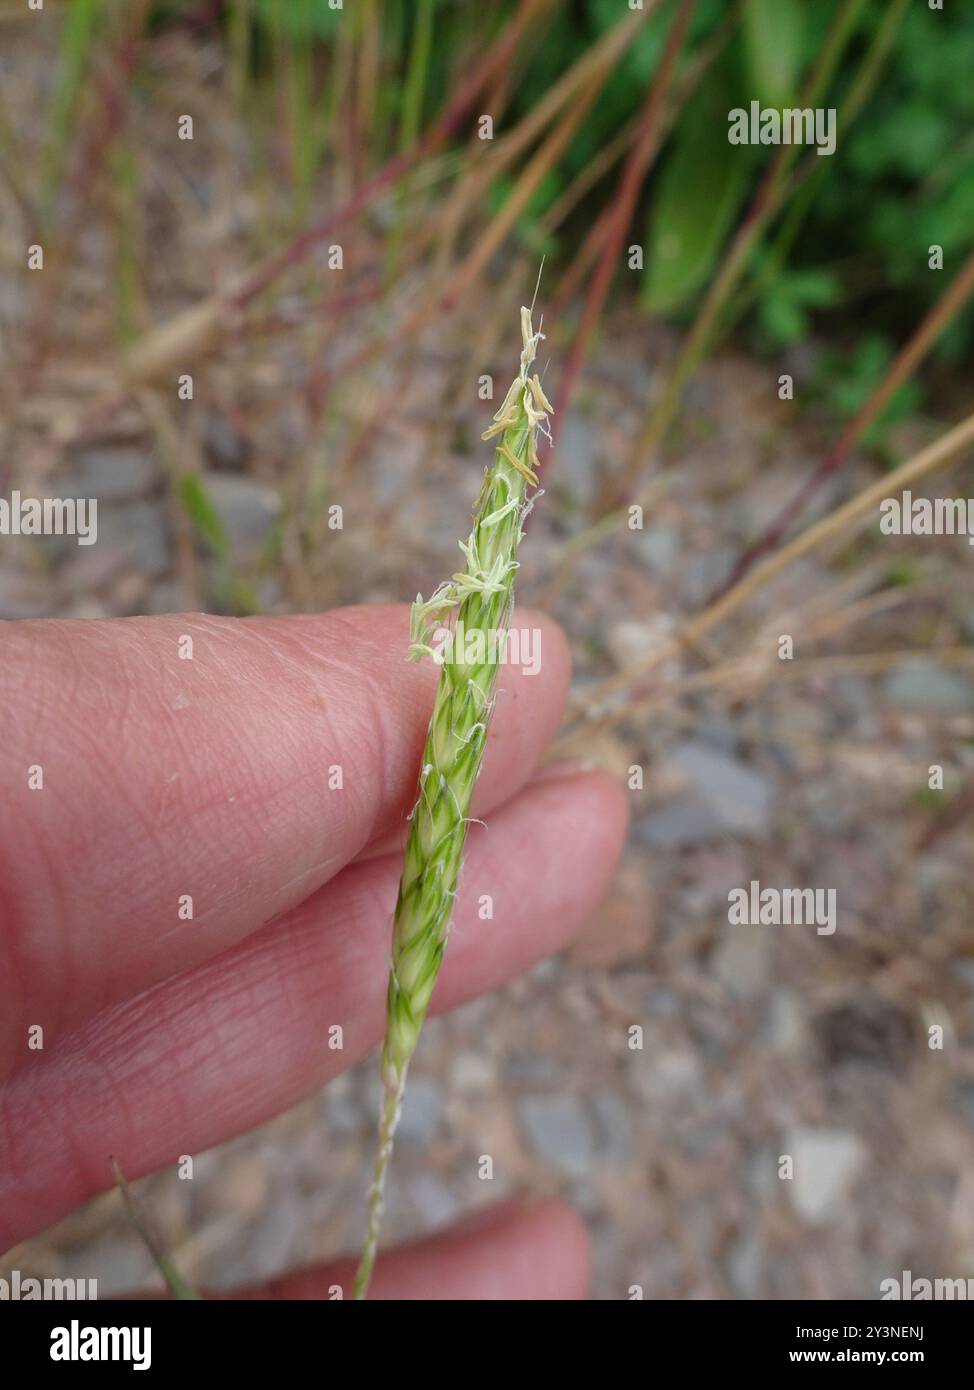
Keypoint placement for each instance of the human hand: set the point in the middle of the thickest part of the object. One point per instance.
(133, 777)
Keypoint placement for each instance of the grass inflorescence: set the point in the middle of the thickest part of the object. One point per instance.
(481, 598)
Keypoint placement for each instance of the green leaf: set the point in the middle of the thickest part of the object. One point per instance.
(782, 311)
(302, 19)
(774, 34)
(198, 506)
(698, 194)
(782, 318)
(849, 379)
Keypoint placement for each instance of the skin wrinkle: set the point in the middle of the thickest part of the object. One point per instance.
(14, 1137)
(89, 1084)
(12, 987)
(13, 906)
(383, 764)
(260, 803)
(132, 1026)
(308, 881)
(366, 692)
(339, 943)
(345, 695)
(17, 920)
(61, 1141)
(123, 1025)
(51, 956)
(360, 790)
(374, 699)
(217, 909)
(52, 922)
(243, 1009)
(375, 723)
(196, 1051)
(384, 715)
(245, 1021)
(84, 738)
(25, 696)
(308, 877)
(73, 722)
(138, 1045)
(234, 674)
(201, 802)
(182, 731)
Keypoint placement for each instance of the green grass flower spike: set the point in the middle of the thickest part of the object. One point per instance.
(480, 600)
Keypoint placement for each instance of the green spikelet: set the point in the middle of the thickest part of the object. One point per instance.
(480, 598)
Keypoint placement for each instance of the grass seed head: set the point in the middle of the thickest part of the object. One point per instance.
(481, 598)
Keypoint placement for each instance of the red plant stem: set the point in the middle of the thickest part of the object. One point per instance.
(571, 279)
(613, 230)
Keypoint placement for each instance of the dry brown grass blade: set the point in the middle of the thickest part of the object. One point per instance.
(737, 678)
(906, 363)
(180, 340)
(193, 330)
(587, 178)
(900, 371)
(937, 455)
(499, 228)
(542, 162)
(602, 57)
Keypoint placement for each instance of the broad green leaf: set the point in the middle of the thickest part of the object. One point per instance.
(774, 33)
(698, 194)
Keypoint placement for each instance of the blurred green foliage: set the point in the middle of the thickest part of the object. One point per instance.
(697, 202)
(847, 378)
(302, 19)
(774, 48)
(786, 305)
(901, 180)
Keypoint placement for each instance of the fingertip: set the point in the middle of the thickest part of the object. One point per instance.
(508, 1251)
(557, 1229)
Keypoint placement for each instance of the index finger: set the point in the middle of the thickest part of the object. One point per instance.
(168, 785)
